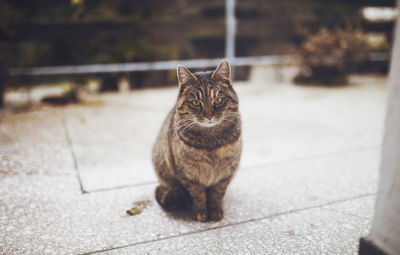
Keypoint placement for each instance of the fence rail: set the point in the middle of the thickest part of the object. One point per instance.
(168, 65)
(148, 66)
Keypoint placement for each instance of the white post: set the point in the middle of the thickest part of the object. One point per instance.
(385, 232)
(230, 32)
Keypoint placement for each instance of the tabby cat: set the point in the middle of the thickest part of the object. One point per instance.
(198, 148)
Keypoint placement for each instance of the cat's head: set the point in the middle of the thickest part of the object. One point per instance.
(207, 99)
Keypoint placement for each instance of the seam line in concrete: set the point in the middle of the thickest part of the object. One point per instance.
(306, 158)
(249, 168)
(238, 223)
(121, 187)
(69, 140)
(344, 213)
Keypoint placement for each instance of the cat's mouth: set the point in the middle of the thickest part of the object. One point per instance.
(208, 123)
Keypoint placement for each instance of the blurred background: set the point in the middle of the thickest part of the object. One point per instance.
(86, 84)
(325, 41)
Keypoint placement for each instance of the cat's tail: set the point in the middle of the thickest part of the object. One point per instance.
(173, 198)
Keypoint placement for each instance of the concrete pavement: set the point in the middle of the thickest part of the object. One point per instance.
(306, 184)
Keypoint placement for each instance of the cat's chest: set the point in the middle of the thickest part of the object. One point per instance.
(208, 167)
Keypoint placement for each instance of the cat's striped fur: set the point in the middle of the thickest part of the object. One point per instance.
(198, 148)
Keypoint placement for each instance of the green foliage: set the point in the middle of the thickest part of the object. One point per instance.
(323, 59)
(361, 43)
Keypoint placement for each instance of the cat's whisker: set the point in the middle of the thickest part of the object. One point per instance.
(188, 127)
(232, 115)
(235, 125)
(234, 122)
(230, 120)
(183, 122)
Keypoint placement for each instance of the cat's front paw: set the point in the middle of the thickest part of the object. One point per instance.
(216, 214)
(200, 216)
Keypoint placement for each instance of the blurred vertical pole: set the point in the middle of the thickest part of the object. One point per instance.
(230, 33)
(384, 237)
(3, 79)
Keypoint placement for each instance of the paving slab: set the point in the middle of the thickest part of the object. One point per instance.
(280, 123)
(290, 122)
(116, 140)
(108, 146)
(323, 230)
(34, 143)
(55, 217)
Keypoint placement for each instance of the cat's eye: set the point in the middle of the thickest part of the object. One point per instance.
(195, 102)
(218, 100)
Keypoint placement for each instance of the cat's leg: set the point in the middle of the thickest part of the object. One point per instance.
(172, 197)
(215, 195)
(164, 197)
(199, 201)
(198, 197)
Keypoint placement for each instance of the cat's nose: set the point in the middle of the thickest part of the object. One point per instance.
(209, 116)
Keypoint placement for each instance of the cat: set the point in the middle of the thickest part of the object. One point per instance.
(198, 149)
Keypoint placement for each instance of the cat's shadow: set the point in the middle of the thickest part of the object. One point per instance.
(180, 213)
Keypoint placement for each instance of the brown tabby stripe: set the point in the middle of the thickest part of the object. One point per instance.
(199, 141)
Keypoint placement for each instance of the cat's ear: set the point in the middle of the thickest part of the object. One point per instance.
(223, 70)
(184, 75)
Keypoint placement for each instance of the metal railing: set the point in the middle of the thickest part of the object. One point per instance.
(149, 66)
